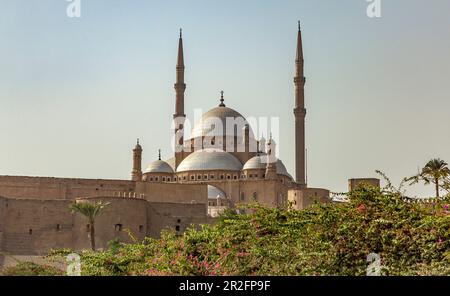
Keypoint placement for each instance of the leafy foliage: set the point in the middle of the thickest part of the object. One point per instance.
(31, 269)
(436, 171)
(87, 209)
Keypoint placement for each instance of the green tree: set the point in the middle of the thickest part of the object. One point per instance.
(436, 171)
(90, 211)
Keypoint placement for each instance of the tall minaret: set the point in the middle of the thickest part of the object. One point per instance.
(300, 113)
(179, 116)
(136, 173)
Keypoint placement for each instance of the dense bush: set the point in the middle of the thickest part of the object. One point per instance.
(31, 269)
(331, 239)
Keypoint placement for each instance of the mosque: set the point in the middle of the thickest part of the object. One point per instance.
(219, 166)
(223, 153)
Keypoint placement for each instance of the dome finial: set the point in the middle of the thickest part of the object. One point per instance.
(221, 99)
(159, 154)
(137, 141)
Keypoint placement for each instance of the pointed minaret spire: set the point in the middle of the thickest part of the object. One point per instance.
(300, 113)
(180, 62)
(180, 86)
(179, 117)
(221, 99)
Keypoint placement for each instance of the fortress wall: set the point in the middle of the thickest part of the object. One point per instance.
(60, 188)
(114, 222)
(2, 220)
(174, 216)
(36, 226)
(173, 193)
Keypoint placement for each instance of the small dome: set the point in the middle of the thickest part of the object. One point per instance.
(210, 160)
(214, 123)
(215, 193)
(159, 166)
(171, 162)
(259, 162)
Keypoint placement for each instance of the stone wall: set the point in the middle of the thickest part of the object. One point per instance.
(174, 216)
(173, 192)
(303, 198)
(355, 183)
(35, 226)
(60, 188)
(2, 220)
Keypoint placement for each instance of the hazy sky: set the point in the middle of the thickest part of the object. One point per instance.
(76, 93)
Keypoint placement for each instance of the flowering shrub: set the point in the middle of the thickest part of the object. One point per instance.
(325, 239)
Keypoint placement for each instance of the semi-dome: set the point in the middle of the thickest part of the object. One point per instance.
(209, 160)
(215, 193)
(159, 166)
(214, 123)
(260, 162)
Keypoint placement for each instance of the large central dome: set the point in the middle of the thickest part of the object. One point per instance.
(210, 159)
(214, 123)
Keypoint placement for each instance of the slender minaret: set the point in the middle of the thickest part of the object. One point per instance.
(136, 173)
(300, 113)
(179, 116)
(271, 159)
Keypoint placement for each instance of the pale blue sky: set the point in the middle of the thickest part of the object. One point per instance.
(76, 93)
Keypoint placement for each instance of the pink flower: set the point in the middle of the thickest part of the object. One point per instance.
(362, 208)
(446, 207)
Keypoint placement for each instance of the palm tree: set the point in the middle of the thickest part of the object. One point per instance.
(90, 211)
(435, 171)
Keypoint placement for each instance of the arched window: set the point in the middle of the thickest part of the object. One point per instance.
(255, 195)
(242, 196)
